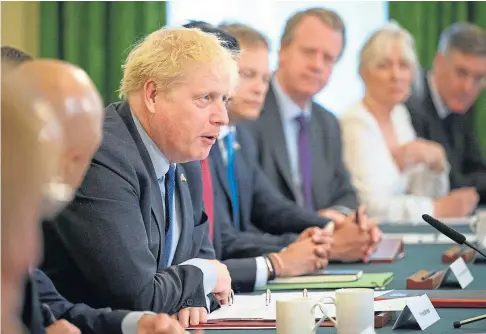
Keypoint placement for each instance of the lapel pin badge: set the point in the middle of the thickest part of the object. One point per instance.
(183, 178)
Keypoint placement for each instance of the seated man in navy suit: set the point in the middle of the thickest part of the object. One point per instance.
(134, 219)
(246, 194)
(43, 305)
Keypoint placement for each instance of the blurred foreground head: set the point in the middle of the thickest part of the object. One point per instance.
(79, 108)
(31, 140)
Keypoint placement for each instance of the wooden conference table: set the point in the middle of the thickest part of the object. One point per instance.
(417, 257)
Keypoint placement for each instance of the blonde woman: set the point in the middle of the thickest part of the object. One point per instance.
(397, 175)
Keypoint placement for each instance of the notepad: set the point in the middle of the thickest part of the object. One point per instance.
(375, 280)
(322, 276)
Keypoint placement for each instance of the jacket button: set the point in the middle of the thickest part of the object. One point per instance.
(189, 302)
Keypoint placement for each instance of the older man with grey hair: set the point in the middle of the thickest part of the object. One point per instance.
(443, 109)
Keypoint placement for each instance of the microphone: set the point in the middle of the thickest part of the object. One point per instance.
(455, 236)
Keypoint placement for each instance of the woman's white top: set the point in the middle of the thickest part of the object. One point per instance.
(389, 194)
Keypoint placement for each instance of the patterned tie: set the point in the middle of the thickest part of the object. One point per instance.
(208, 195)
(305, 162)
(229, 142)
(169, 202)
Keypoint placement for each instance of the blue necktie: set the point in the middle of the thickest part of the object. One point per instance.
(229, 142)
(169, 200)
(305, 163)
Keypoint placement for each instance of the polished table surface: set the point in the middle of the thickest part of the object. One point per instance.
(417, 257)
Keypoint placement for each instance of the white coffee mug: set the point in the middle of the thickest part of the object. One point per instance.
(354, 311)
(296, 316)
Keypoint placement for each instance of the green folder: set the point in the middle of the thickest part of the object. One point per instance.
(379, 280)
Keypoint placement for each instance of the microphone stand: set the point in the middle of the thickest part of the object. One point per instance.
(459, 239)
(459, 323)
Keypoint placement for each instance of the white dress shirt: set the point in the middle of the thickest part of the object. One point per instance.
(388, 193)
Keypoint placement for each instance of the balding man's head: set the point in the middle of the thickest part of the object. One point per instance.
(78, 106)
(31, 145)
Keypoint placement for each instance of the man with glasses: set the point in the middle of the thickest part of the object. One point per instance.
(443, 110)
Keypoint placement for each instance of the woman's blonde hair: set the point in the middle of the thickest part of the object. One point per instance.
(380, 43)
(168, 54)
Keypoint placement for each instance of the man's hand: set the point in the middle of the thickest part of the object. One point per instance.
(367, 225)
(222, 287)
(334, 215)
(62, 327)
(316, 234)
(352, 241)
(304, 257)
(191, 316)
(158, 324)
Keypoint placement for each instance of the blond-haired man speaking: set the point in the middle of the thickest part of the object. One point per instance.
(134, 221)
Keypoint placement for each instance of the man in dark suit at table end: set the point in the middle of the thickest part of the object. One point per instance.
(442, 105)
(134, 216)
(299, 141)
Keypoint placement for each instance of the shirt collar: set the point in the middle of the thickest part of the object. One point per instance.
(289, 110)
(224, 130)
(440, 106)
(159, 161)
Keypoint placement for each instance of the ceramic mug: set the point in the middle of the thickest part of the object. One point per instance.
(354, 313)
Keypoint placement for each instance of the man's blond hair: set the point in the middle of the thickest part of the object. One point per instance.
(246, 35)
(167, 55)
(326, 16)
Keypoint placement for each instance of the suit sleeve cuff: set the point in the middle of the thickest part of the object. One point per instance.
(261, 272)
(209, 275)
(129, 324)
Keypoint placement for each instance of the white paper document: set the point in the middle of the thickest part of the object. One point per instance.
(254, 307)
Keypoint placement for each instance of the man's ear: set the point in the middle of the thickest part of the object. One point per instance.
(149, 94)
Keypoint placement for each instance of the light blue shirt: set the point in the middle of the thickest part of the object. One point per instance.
(289, 110)
(440, 106)
(161, 166)
(261, 266)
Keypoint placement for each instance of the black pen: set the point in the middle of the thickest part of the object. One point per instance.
(357, 216)
(49, 317)
(429, 275)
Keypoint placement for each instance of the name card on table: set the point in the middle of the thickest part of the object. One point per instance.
(419, 312)
(460, 271)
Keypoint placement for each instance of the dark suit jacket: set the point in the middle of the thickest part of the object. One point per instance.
(331, 185)
(40, 290)
(468, 167)
(103, 249)
(260, 204)
(236, 250)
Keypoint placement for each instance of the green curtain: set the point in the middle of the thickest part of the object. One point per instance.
(426, 19)
(97, 35)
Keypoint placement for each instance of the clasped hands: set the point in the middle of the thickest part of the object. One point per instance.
(315, 246)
